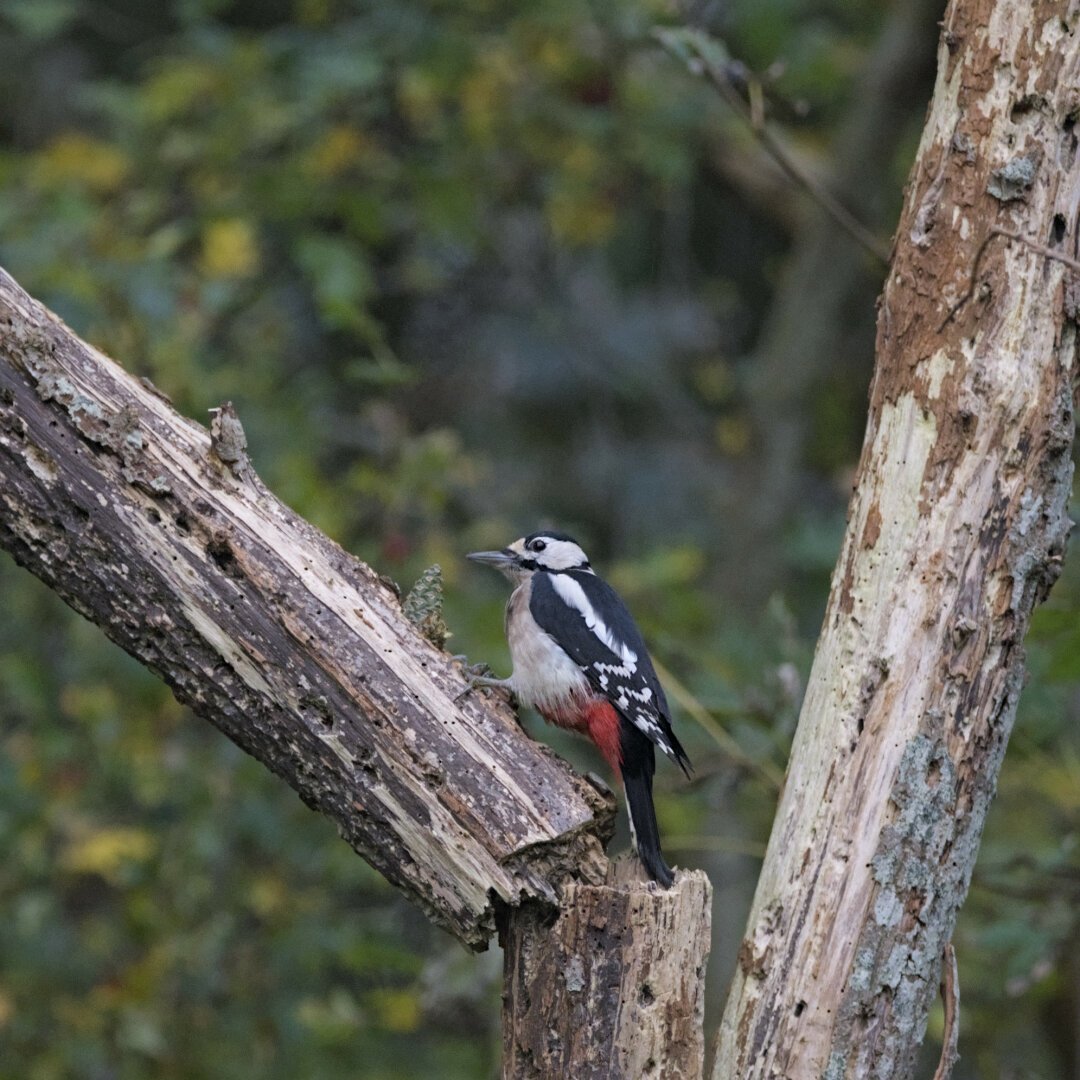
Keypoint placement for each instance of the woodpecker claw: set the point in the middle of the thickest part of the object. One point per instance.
(485, 684)
(478, 670)
(481, 677)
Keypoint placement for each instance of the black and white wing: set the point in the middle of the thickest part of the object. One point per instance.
(590, 622)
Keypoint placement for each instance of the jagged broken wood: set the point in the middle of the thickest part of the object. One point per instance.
(168, 541)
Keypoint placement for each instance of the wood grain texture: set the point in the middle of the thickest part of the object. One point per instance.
(957, 528)
(292, 647)
(613, 989)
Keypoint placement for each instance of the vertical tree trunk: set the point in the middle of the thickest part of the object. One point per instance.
(614, 988)
(956, 529)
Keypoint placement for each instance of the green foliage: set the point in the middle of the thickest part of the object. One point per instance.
(464, 268)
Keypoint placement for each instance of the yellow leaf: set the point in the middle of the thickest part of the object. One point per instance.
(179, 87)
(89, 702)
(313, 12)
(336, 151)
(267, 895)
(419, 96)
(553, 56)
(140, 981)
(484, 94)
(580, 218)
(733, 435)
(582, 159)
(397, 1010)
(107, 851)
(229, 248)
(77, 158)
(714, 381)
(30, 773)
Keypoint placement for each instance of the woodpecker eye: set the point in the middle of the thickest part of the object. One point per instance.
(538, 545)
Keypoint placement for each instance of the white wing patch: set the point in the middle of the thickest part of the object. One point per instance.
(574, 596)
(647, 723)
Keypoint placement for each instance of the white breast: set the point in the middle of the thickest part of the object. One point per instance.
(544, 675)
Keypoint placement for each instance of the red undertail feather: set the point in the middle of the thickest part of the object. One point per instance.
(603, 729)
(596, 718)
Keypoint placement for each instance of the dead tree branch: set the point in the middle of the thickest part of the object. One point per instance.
(165, 537)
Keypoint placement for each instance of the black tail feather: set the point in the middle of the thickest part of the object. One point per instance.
(679, 756)
(637, 774)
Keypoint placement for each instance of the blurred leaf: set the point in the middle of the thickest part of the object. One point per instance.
(79, 159)
(37, 19)
(178, 87)
(397, 1010)
(341, 279)
(229, 249)
(107, 851)
(339, 149)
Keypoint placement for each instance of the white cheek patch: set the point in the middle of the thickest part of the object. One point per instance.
(573, 595)
(562, 555)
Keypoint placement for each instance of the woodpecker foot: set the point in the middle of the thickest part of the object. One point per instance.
(480, 677)
(477, 670)
(483, 683)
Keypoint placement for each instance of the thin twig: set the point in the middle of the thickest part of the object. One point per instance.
(753, 116)
(721, 736)
(1039, 249)
(950, 998)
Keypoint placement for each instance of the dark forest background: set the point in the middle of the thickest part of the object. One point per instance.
(466, 268)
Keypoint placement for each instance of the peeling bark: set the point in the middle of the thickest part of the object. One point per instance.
(956, 530)
(614, 989)
(162, 534)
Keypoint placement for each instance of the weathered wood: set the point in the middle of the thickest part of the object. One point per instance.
(296, 650)
(957, 528)
(614, 988)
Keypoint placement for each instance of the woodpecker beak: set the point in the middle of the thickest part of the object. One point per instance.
(499, 559)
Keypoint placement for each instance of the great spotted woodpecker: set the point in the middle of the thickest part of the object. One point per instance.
(579, 660)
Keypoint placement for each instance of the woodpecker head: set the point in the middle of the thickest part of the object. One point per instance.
(552, 551)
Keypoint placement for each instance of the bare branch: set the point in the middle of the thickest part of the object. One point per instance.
(705, 56)
(1039, 249)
